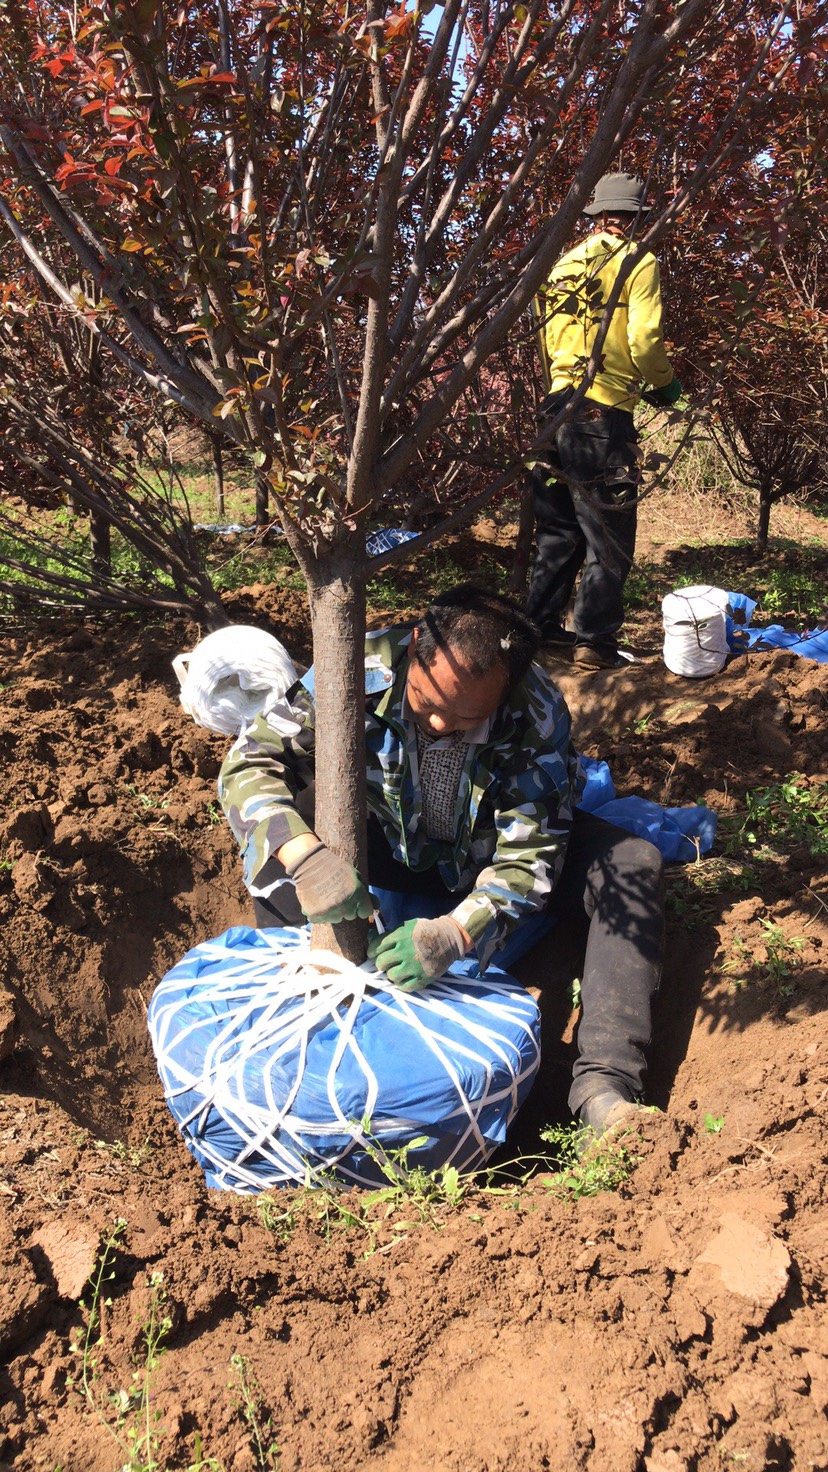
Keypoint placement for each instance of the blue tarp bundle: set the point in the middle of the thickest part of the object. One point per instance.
(276, 1077)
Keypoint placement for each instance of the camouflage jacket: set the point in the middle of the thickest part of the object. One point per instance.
(514, 802)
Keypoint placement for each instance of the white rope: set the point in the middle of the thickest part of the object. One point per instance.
(240, 1032)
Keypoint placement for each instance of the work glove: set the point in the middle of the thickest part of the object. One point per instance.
(328, 888)
(417, 951)
(668, 395)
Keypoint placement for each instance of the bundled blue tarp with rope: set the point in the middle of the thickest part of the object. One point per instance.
(280, 1071)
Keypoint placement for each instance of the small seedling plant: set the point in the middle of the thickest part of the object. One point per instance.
(263, 1447)
(778, 966)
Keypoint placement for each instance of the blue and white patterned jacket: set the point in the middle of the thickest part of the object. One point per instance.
(514, 802)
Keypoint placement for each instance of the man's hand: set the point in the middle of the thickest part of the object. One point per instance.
(418, 951)
(327, 888)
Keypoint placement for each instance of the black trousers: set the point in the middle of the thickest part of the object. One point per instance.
(586, 520)
(610, 877)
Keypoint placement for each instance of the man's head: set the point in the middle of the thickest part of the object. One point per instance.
(467, 651)
(619, 200)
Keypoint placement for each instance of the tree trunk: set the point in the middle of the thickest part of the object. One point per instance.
(262, 500)
(763, 523)
(523, 542)
(338, 615)
(218, 476)
(100, 544)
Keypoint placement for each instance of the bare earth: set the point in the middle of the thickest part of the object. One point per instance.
(678, 1323)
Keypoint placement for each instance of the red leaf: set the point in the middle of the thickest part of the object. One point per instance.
(112, 166)
(398, 25)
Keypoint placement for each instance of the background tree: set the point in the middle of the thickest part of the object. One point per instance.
(317, 226)
(755, 340)
(66, 416)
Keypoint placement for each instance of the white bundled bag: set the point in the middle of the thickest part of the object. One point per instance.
(232, 676)
(695, 631)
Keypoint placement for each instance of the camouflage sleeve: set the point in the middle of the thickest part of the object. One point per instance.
(261, 776)
(534, 817)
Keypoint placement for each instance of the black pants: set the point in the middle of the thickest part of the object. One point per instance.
(586, 520)
(609, 876)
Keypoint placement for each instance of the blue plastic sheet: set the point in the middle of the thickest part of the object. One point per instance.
(679, 834)
(812, 644)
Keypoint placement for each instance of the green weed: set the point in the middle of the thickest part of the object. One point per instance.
(137, 1414)
(782, 957)
(200, 1463)
(646, 586)
(794, 592)
(602, 1166)
(132, 1155)
(148, 800)
(411, 1197)
(128, 1415)
(102, 1273)
(786, 815)
(713, 1124)
(265, 1450)
(776, 968)
(738, 963)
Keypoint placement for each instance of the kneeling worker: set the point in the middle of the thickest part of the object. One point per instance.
(472, 786)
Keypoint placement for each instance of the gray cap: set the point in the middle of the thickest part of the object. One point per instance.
(614, 192)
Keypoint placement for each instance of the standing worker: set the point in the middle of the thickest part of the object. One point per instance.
(585, 505)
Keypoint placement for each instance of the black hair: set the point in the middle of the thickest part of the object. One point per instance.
(483, 629)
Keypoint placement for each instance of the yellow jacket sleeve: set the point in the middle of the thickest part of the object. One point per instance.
(644, 331)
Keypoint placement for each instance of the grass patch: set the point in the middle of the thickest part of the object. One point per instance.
(788, 583)
(414, 1197)
(411, 1197)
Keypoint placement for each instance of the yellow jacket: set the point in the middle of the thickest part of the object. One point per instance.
(572, 303)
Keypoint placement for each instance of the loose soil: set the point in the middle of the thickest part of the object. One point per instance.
(676, 1323)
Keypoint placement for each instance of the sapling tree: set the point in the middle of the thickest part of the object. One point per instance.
(316, 224)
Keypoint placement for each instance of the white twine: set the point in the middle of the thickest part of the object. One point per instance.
(296, 991)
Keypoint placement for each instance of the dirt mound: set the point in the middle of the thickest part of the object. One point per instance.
(677, 1323)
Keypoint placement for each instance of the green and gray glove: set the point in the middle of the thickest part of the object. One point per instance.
(417, 951)
(669, 394)
(328, 888)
